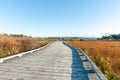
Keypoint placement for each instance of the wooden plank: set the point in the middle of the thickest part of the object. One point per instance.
(87, 66)
(83, 58)
(92, 76)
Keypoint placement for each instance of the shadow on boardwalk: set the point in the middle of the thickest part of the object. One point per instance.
(78, 71)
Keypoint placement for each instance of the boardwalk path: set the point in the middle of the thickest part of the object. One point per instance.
(56, 62)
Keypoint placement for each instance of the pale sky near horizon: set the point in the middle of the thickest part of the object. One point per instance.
(54, 18)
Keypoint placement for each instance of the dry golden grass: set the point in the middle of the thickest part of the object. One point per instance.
(105, 54)
(12, 45)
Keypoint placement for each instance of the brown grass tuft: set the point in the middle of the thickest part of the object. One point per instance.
(12, 45)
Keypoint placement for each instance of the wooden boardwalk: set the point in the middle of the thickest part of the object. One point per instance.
(56, 62)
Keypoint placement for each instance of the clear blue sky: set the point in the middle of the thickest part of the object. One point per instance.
(60, 17)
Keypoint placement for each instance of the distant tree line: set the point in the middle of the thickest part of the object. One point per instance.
(19, 35)
(16, 35)
(111, 37)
